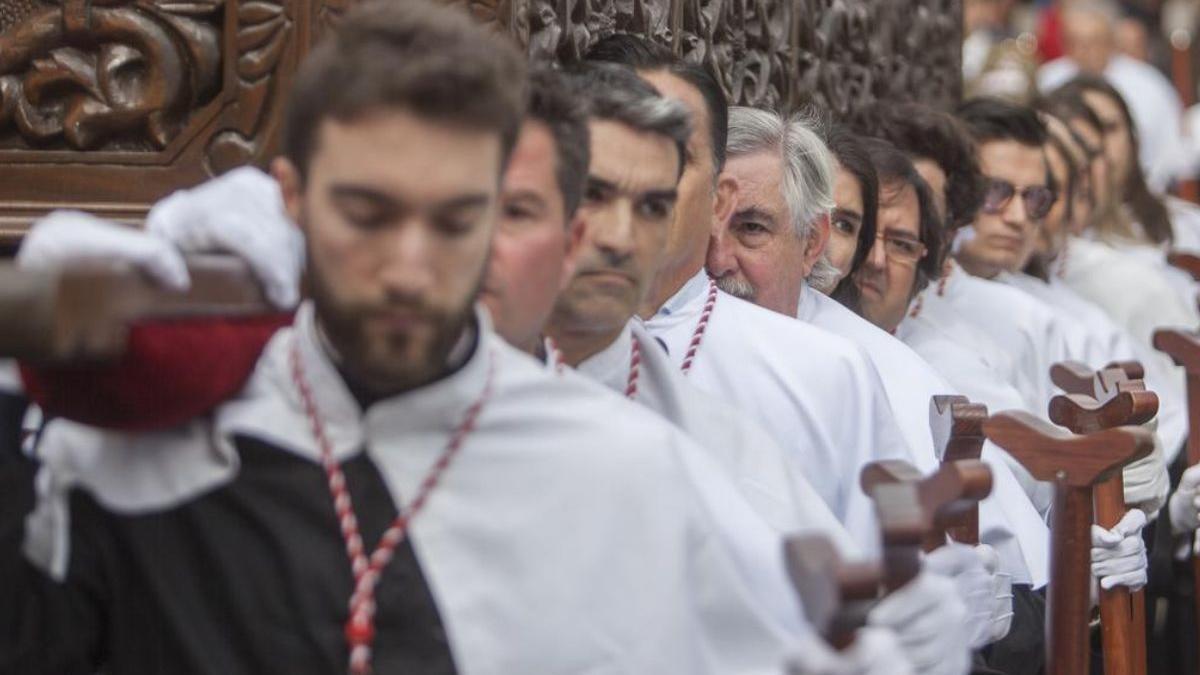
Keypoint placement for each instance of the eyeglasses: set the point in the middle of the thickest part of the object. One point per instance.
(901, 248)
(1038, 198)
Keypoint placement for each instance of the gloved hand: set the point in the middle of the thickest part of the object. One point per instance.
(930, 620)
(67, 238)
(1119, 554)
(875, 652)
(1185, 503)
(986, 591)
(241, 213)
(1146, 480)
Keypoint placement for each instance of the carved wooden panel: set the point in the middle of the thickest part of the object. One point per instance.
(107, 105)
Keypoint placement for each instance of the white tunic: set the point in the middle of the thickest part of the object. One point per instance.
(576, 532)
(1133, 293)
(1021, 324)
(770, 479)
(1007, 519)
(961, 363)
(816, 393)
(1162, 376)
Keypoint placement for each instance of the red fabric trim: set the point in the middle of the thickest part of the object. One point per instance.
(172, 371)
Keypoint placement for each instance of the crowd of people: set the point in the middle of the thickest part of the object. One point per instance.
(566, 352)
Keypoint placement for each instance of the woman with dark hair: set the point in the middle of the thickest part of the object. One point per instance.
(852, 224)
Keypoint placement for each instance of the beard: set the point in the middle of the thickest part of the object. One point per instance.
(380, 355)
(736, 287)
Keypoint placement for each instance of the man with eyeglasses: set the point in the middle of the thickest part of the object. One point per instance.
(781, 166)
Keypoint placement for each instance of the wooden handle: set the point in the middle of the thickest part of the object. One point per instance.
(836, 596)
(1084, 415)
(1185, 261)
(83, 313)
(1076, 378)
(948, 498)
(1069, 596)
(1052, 454)
(1117, 626)
(1073, 377)
(957, 427)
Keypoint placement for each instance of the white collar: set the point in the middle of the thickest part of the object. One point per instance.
(271, 407)
(806, 309)
(610, 366)
(691, 290)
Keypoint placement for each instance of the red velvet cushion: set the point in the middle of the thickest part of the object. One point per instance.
(172, 372)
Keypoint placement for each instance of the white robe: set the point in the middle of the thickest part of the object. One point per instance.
(1129, 290)
(1021, 324)
(1007, 519)
(1116, 344)
(816, 393)
(576, 532)
(769, 478)
(962, 364)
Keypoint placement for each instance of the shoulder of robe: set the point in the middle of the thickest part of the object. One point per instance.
(786, 340)
(1011, 300)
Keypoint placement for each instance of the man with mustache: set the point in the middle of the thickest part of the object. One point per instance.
(777, 164)
(396, 488)
(629, 193)
(796, 381)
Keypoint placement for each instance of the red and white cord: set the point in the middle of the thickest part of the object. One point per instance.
(698, 334)
(360, 627)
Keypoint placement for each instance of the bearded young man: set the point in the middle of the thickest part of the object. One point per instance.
(395, 488)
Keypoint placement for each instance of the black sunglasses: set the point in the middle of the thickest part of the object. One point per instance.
(1038, 198)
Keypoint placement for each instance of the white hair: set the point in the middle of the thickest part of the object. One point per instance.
(808, 170)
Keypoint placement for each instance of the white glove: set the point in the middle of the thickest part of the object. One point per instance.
(1185, 503)
(69, 238)
(931, 622)
(1147, 482)
(1119, 554)
(241, 213)
(875, 652)
(985, 590)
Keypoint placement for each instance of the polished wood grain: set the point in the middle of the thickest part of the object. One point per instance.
(1122, 612)
(836, 595)
(1074, 464)
(957, 427)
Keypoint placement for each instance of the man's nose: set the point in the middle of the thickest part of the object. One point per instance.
(877, 258)
(721, 259)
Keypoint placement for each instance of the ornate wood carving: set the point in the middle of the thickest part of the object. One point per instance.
(107, 105)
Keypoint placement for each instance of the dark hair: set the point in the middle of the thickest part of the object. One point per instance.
(993, 119)
(615, 92)
(895, 169)
(923, 132)
(565, 116)
(1150, 211)
(430, 60)
(852, 155)
(642, 54)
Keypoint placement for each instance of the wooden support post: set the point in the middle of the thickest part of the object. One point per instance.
(837, 596)
(1184, 348)
(1074, 464)
(83, 313)
(1122, 613)
(957, 426)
